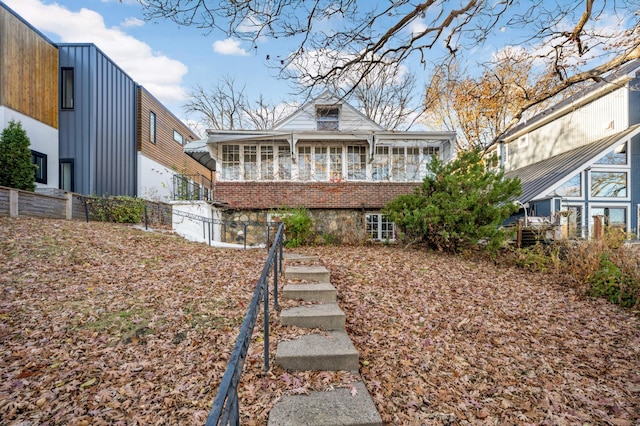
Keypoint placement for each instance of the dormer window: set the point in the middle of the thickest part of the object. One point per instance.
(327, 118)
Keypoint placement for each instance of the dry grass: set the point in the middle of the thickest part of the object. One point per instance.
(105, 324)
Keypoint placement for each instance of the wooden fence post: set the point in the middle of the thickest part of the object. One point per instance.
(519, 237)
(13, 203)
(69, 206)
(598, 228)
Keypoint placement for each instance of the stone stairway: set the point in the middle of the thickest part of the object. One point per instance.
(321, 352)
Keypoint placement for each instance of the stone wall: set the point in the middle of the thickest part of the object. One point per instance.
(331, 226)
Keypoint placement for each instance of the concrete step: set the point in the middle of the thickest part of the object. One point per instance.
(317, 352)
(325, 315)
(314, 273)
(312, 292)
(331, 408)
(300, 258)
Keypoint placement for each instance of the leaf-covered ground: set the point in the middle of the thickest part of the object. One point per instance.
(105, 324)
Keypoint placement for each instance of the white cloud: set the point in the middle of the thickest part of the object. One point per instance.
(132, 55)
(229, 46)
(417, 26)
(133, 22)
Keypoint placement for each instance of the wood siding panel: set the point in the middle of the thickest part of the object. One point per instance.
(29, 65)
(166, 150)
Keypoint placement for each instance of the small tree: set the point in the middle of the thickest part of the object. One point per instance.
(16, 169)
(458, 204)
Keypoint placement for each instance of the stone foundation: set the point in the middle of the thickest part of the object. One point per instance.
(331, 226)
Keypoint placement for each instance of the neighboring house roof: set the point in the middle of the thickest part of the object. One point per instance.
(541, 176)
(609, 82)
(198, 151)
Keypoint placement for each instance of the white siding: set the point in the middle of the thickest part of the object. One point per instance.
(600, 118)
(43, 138)
(305, 118)
(155, 181)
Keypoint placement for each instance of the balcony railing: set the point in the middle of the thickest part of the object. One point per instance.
(192, 187)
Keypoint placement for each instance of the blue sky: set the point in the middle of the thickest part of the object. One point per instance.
(165, 58)
(169, 60)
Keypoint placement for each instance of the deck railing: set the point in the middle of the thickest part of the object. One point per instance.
(225, 409)
(192, 187)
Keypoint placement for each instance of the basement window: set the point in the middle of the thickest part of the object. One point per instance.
(380, 228)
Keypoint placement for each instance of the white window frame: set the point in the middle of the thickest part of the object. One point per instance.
(381, 163)
(424, 156)
(380, 233)
(178, 137)
(582, 224)
(250, 173)
(356, 162)
(228, 173)
(572, 197)
(282, 169)
(327, 118)
(260, 171)
(626, 206)
(626, 171)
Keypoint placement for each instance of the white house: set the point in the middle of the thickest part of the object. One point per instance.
(327, 157)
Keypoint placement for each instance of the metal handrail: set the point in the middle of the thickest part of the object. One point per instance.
(225, 409)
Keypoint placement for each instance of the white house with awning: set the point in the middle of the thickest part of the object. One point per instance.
(325, 156)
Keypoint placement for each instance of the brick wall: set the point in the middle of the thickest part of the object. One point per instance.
(312, 195)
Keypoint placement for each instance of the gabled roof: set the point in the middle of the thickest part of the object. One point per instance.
(326, 98)
(541, 176)
(608, 82)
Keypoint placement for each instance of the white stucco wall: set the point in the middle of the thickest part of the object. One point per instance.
(192, 228)
(44, 139)
(155, 181)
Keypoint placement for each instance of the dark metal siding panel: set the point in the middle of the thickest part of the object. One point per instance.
(635, 183)
(116, 132)
(634, 101)
(77, 126)
(100, 132)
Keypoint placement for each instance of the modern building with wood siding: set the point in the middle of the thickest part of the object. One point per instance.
(161, 138)
(29, 89)
(88, 121)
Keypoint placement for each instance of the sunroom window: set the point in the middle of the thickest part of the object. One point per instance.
(305, 161)
(284, 162)
(335, 163)
(356, 162)
(266, 162)
(230, 162)
(381, 163)
(250, 162)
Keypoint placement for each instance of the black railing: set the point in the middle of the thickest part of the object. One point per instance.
(225, 409)
(192, 187)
